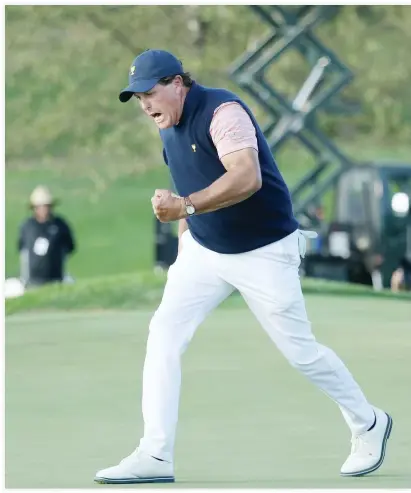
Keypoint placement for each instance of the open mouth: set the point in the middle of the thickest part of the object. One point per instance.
(157, 116)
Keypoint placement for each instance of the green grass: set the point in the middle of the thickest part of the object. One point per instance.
(130, 291)
(247, 419)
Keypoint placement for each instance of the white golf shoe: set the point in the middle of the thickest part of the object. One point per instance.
(368, 449)
(138, 467)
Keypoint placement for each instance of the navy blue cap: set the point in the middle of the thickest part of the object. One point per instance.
(147, 69)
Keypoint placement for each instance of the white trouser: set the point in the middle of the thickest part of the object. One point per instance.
(268, 280)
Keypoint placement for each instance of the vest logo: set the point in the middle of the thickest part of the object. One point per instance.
(193, 146)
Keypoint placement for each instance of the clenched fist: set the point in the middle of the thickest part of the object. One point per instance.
(167, 206)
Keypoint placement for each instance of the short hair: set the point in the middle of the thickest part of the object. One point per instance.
(186, 76)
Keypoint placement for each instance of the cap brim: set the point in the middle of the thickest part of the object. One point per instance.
(137, 86)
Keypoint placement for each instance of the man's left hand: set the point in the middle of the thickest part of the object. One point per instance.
(167, 206)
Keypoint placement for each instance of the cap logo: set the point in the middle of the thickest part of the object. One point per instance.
(132, 70)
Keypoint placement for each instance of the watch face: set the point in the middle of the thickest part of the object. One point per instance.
(190, 210)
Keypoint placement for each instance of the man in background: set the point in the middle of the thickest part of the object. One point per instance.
(401, 278)
(45, 240)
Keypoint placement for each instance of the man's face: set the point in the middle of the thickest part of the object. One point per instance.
(42, 212)
(164, 104)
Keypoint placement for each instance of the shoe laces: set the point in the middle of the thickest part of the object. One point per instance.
(360, 445)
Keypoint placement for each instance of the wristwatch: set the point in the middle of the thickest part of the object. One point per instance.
(190, 209)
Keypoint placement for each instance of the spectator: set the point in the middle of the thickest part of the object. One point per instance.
(401, 277)
(45, 241)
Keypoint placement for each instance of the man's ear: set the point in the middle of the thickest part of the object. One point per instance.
(178, 81)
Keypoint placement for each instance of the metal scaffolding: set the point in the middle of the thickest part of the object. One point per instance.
(293, 29)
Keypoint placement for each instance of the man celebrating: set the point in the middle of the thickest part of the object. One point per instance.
(236, 231)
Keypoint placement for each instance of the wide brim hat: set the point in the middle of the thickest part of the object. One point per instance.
(41, 195)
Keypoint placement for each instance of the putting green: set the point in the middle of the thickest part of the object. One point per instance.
(247, 419)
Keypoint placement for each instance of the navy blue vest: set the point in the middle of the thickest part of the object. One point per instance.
(263, 218)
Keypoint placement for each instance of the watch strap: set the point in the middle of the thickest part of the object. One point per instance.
(188, 202)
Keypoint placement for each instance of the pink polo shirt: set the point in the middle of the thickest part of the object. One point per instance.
(231, 129)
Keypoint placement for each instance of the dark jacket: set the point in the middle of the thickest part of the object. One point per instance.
(43, 249)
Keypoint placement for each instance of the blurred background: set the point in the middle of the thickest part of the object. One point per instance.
(328, 101)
